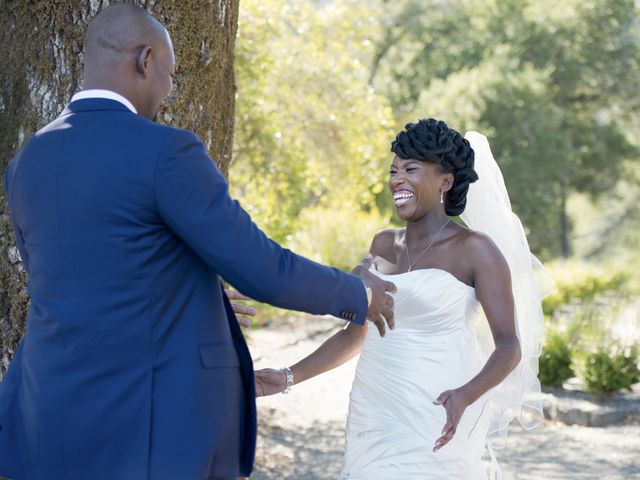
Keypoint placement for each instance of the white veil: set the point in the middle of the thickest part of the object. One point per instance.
(489, 211)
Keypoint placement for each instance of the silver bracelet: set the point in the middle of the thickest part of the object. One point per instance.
(287, 371)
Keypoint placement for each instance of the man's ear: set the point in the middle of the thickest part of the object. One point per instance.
(144, 60)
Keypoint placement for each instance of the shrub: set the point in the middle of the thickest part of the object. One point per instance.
(555, 361)
(609, 370)
(586, 304)
(339, 237)
(580, 284)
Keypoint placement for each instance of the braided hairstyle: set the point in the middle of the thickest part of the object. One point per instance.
(433, 141)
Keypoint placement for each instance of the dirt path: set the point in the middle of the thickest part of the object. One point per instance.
(301, 434)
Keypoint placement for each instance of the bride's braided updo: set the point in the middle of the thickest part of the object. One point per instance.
(433, 141)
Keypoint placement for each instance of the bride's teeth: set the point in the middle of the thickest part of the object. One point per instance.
(402, 195)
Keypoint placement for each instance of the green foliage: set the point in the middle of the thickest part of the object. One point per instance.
(609, 370)
(609, 230)
(338, 237)
(555, 361)
(580, 318)
(586, 304)
(579, 285)
(312, 137)
(553, 85)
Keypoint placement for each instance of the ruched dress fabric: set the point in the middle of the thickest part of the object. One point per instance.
(393, 424)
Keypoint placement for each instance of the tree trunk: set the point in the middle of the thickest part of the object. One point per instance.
(564, 219)
(41, 63)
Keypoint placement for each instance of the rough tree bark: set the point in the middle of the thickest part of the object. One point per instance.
(41, 62)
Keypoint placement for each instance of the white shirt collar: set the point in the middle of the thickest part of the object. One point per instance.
(98, 93)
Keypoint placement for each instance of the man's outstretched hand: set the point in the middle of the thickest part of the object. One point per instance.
(381, 309)
(241, 309)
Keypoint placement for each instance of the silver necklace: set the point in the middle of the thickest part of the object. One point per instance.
(433, 240)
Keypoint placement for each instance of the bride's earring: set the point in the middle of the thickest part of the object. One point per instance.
(441, 195)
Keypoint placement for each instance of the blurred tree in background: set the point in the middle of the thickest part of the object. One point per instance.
(312, 137)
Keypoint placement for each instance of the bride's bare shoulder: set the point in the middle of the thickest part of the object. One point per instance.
(385, 240)
(481, 249)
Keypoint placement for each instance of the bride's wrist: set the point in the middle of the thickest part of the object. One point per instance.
(468, 394)
(288, 379)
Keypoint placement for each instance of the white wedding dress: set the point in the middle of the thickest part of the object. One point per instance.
(392, 424)
(439, 344)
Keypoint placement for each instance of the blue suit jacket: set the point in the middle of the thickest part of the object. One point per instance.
(133, 365)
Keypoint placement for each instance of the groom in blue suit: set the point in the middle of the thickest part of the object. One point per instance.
(133, 365)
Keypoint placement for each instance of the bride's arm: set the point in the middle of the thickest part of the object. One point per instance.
(492, 282)
(338, 349)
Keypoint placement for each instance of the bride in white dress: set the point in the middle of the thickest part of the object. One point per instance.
(430, 395)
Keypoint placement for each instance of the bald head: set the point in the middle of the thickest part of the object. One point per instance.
(129, 51)
(118, 31)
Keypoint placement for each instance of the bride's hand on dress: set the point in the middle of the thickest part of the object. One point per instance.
(270, 381)
(455, 403)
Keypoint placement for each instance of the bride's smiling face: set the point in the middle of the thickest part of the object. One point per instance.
(415, 187)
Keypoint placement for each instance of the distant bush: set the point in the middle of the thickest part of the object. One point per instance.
(609, 370)
(339, 237)
(555, 361)
(585, 305)
(579, 284)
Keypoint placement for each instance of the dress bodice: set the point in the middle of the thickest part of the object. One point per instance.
(431, 306)
(393, 423)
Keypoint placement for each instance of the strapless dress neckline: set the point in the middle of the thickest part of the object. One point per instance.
(427, 270)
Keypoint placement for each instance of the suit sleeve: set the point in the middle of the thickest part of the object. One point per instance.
(8, 181)
(193, 199)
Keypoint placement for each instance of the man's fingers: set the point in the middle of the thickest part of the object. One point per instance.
(380, 325)
(390, 287)
(367, 261)
(364, 265)
(387, 313)
(244, 310)
(235, 295)
(244, 322)
(388, 301)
